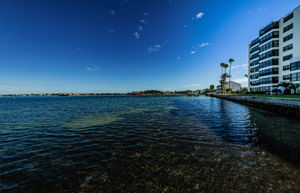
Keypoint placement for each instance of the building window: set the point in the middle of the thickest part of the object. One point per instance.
(255, 62)
(253, 56)
(268, 72)
(254, 76)
(288, 37)
(295, 76)
(273, 25)
(254, 49)
(285, 58)
(286, 77)
(286, 67)
(288, 47)
(268, 80)
(269, 45)
(295, 66)
(274, 34)
(290, 16)
(254, 83)
(287, 28)
(254, 42)
(267, 63)
(269, 54)
(255, 69)
(264, 89)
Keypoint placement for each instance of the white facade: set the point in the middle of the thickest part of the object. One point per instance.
(274, 56)
(234, 86)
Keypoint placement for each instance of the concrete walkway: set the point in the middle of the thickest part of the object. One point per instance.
(286, 106)
(283, 101)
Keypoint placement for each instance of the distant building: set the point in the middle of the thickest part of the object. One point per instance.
(274, 56)
(234, 86)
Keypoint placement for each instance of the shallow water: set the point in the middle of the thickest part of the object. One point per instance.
(145, 144)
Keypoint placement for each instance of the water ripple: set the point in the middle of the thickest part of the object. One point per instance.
(145, 144)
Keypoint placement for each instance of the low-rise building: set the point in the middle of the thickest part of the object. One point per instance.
(234, 86)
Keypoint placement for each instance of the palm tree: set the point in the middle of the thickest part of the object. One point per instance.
(231, 60)
(293, 87)
(225, 75)
(222, 68)
(225, 66)
(244, 90)
(223, 80)
(286, 86)
(222, 72)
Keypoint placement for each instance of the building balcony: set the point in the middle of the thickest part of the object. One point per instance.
(272, 35)
(269, 80)
(269, 54)
(254, 42)
(269, 71)
(273, 25)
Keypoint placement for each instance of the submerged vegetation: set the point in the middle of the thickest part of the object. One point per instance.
(99, 119)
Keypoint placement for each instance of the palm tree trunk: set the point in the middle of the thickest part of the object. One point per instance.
(229, 75)
(225, 81)
(222, 84)
(225, 84)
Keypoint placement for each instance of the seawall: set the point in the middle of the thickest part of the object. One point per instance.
(285, 106)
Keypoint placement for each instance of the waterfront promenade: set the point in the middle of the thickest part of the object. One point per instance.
(277, 100)
(286, 106)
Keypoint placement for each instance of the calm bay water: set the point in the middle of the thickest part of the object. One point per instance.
(145, 144)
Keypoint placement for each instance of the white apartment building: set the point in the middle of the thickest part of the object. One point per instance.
(274, 56)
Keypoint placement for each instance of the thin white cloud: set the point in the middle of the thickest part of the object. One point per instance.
(112, 12)
(192, 85)
(137, 35)
(239, 66)
(258, 10)
(235, 66)
(241, 80)
(204, 44)
(154, 48)
(193, 52)
(111, 30)
(91, 68)
(199, 15)
(142, 21)
(262, 9)
(141, 28)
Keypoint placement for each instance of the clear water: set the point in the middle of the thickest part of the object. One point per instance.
(145, 144)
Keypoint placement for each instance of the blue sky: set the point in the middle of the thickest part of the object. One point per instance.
(126, 45)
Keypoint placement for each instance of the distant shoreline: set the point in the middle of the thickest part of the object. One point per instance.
(146, 92)
(84, 94)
